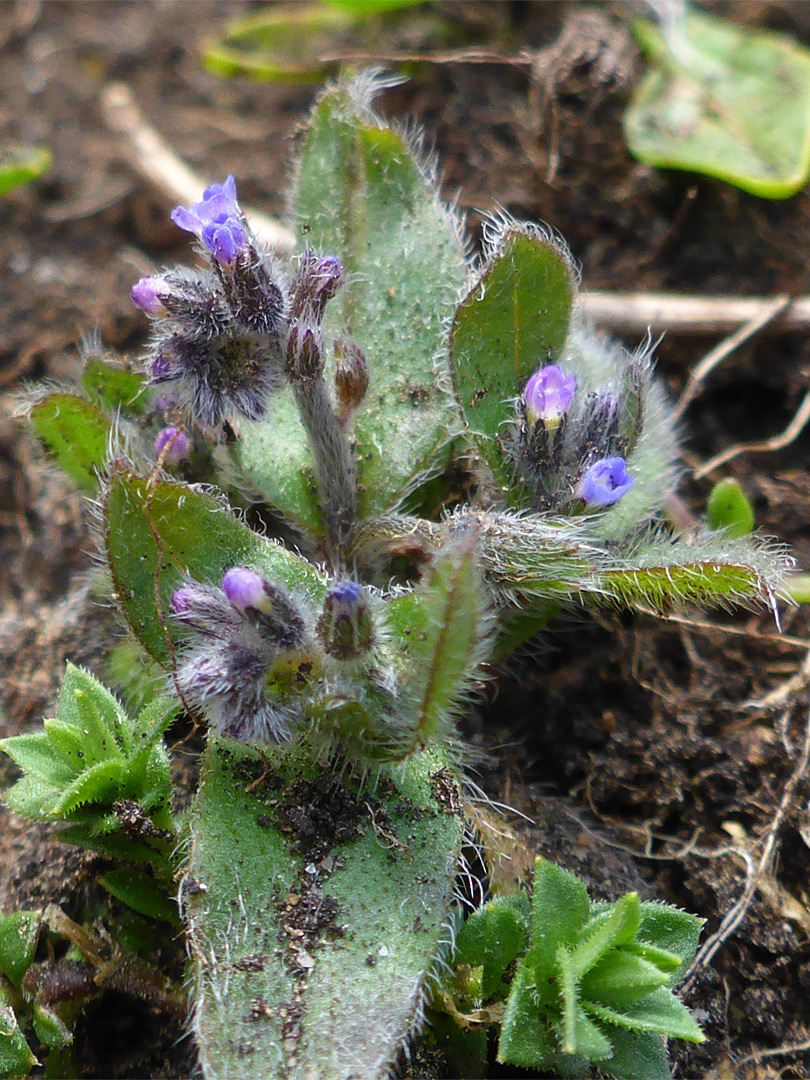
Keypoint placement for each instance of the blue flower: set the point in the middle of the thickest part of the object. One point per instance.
(605, 482)
(217, 221)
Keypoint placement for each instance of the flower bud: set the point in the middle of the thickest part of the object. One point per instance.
(246, 589)
(605, 482)
(176, 440)
(345, 627)
(304, 352)
(148, 293)
(548, 396)
(351, 378)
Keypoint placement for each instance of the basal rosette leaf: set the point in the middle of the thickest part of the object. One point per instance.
(289, 949)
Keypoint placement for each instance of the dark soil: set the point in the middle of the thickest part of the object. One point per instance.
(631, 744)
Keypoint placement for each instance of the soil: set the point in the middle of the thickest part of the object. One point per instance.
(634, 747)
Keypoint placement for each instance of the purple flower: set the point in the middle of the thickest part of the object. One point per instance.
(147, 294)
(176, 439)
(216, 220)
(605, 482)
(548, 395)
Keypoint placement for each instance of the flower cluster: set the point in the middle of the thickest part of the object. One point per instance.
(572, 444)
(253, 654)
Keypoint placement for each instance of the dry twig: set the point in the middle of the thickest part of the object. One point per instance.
(777, 442)
(735, 915)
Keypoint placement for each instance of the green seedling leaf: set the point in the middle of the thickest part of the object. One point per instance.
(34, 755)
(728, 508)
(372, 929)
(621, 978)
(77, 434)
(22, 164)
(100, 783)
(560, 911)
(19, 933)
(364, 195)
(578, 1034)
(165, 530)
(675, 931)
(16, 1059)
(513, 320)
(283, 44)
(637, 1055)
(142, 893)
(659, 1012)
(114, 388)
(492, 938)
(616, 926)
(726, 101)
(525, 1039)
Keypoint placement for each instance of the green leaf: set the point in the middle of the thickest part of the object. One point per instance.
(19, 933)
(364, 195)
(613, 927)
(728, 508)
(637, 1055)
(621, 978)
(659, 1012)
(34, 755)
(524, 1038)
(726, 101)
(100, 783)
(453, 642)
(142, 893)
(16, 1059)
(274, 455)
(77, 434)
(67, 742)
(283, 44)
(372, 7)
(50, 1028)
(114, 388)
(513, 320)
(676, 931)
(578, 1035)
(198, 537)
(22, 164)
(560, 911)
(114, 845)
(361, 965)
(493, 937)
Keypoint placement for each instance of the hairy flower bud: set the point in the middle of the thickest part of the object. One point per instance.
(246, 653)
(148, 293)
(304, 351)
(351, 378)
(548, 396)
(345, 626)
(605, 482)
(174, 441)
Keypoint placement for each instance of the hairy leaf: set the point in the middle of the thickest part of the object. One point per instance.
(77, 434)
